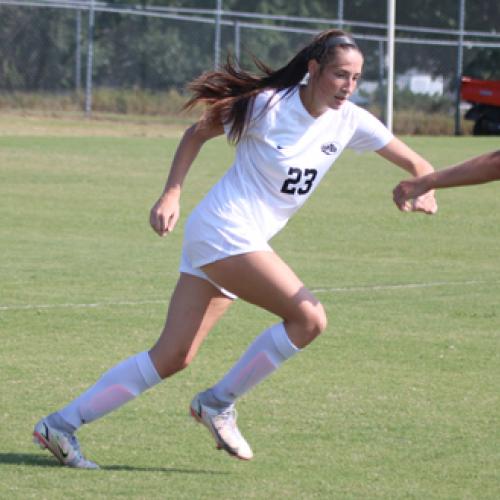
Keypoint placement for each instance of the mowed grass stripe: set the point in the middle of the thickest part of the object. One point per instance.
(370, 288)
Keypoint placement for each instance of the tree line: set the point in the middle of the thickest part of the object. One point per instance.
(39, 47)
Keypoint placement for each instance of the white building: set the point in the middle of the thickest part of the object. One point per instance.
(420, 83)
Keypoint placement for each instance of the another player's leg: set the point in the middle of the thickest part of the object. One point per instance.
(194, 308)
(261, 278)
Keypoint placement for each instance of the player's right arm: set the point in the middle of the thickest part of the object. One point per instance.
(165, 212)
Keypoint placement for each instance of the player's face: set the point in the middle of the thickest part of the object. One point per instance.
(334, 82)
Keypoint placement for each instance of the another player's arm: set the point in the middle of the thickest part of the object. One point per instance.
(400, 154)
(165, 211)
(478, 170)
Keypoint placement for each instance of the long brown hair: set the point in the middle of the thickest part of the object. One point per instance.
(229, 92)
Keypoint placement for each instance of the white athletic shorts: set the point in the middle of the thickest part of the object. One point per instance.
(208, 239)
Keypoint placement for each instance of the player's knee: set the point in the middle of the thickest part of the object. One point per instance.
(314, 322)
(496, 162)
(320, 320)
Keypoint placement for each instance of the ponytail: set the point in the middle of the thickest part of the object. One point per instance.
(230, 92)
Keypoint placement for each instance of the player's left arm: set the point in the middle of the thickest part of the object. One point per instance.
(398, 153)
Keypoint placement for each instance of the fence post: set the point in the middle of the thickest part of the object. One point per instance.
(460, 53)
(381, 77)
(237, 42)
(90, 59)
(217, 35)
(78, 51)
(391, 18)
(340, 13)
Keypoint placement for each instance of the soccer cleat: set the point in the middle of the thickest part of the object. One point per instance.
(222, 425)
(65, 447)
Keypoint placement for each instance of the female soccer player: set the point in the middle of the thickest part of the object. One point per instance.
(477, 170)
(289, 126)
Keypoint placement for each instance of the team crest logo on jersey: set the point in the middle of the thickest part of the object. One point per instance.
(329, 148)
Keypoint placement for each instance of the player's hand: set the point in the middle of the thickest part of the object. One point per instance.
(413, 196)
(165, 213)
(425, 203)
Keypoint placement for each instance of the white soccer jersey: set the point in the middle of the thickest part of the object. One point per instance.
(281, 158)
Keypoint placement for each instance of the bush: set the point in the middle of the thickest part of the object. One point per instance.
(132, 101)
(414, 115)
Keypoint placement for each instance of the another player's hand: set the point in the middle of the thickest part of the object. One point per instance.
(165, 213)
(413, 196)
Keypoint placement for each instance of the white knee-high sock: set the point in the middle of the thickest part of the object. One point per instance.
(263, 357)
(120, 384)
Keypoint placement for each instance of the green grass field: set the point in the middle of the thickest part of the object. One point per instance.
(399, 398)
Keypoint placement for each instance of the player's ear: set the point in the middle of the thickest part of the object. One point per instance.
(313, 67)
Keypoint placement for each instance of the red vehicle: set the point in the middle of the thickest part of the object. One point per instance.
(484, 95)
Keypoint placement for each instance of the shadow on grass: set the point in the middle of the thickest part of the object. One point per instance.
(160, 469)
(27, 459)
(41, 461)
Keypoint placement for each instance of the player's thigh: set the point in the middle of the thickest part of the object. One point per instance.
(195, 306)
(264, 279)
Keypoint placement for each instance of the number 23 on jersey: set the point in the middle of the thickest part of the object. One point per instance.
(299, 181)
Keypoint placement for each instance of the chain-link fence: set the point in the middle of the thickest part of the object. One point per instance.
(95, 55)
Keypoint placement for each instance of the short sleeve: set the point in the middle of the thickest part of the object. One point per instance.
(370, 133)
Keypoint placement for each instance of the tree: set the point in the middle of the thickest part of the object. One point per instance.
(37, 44)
